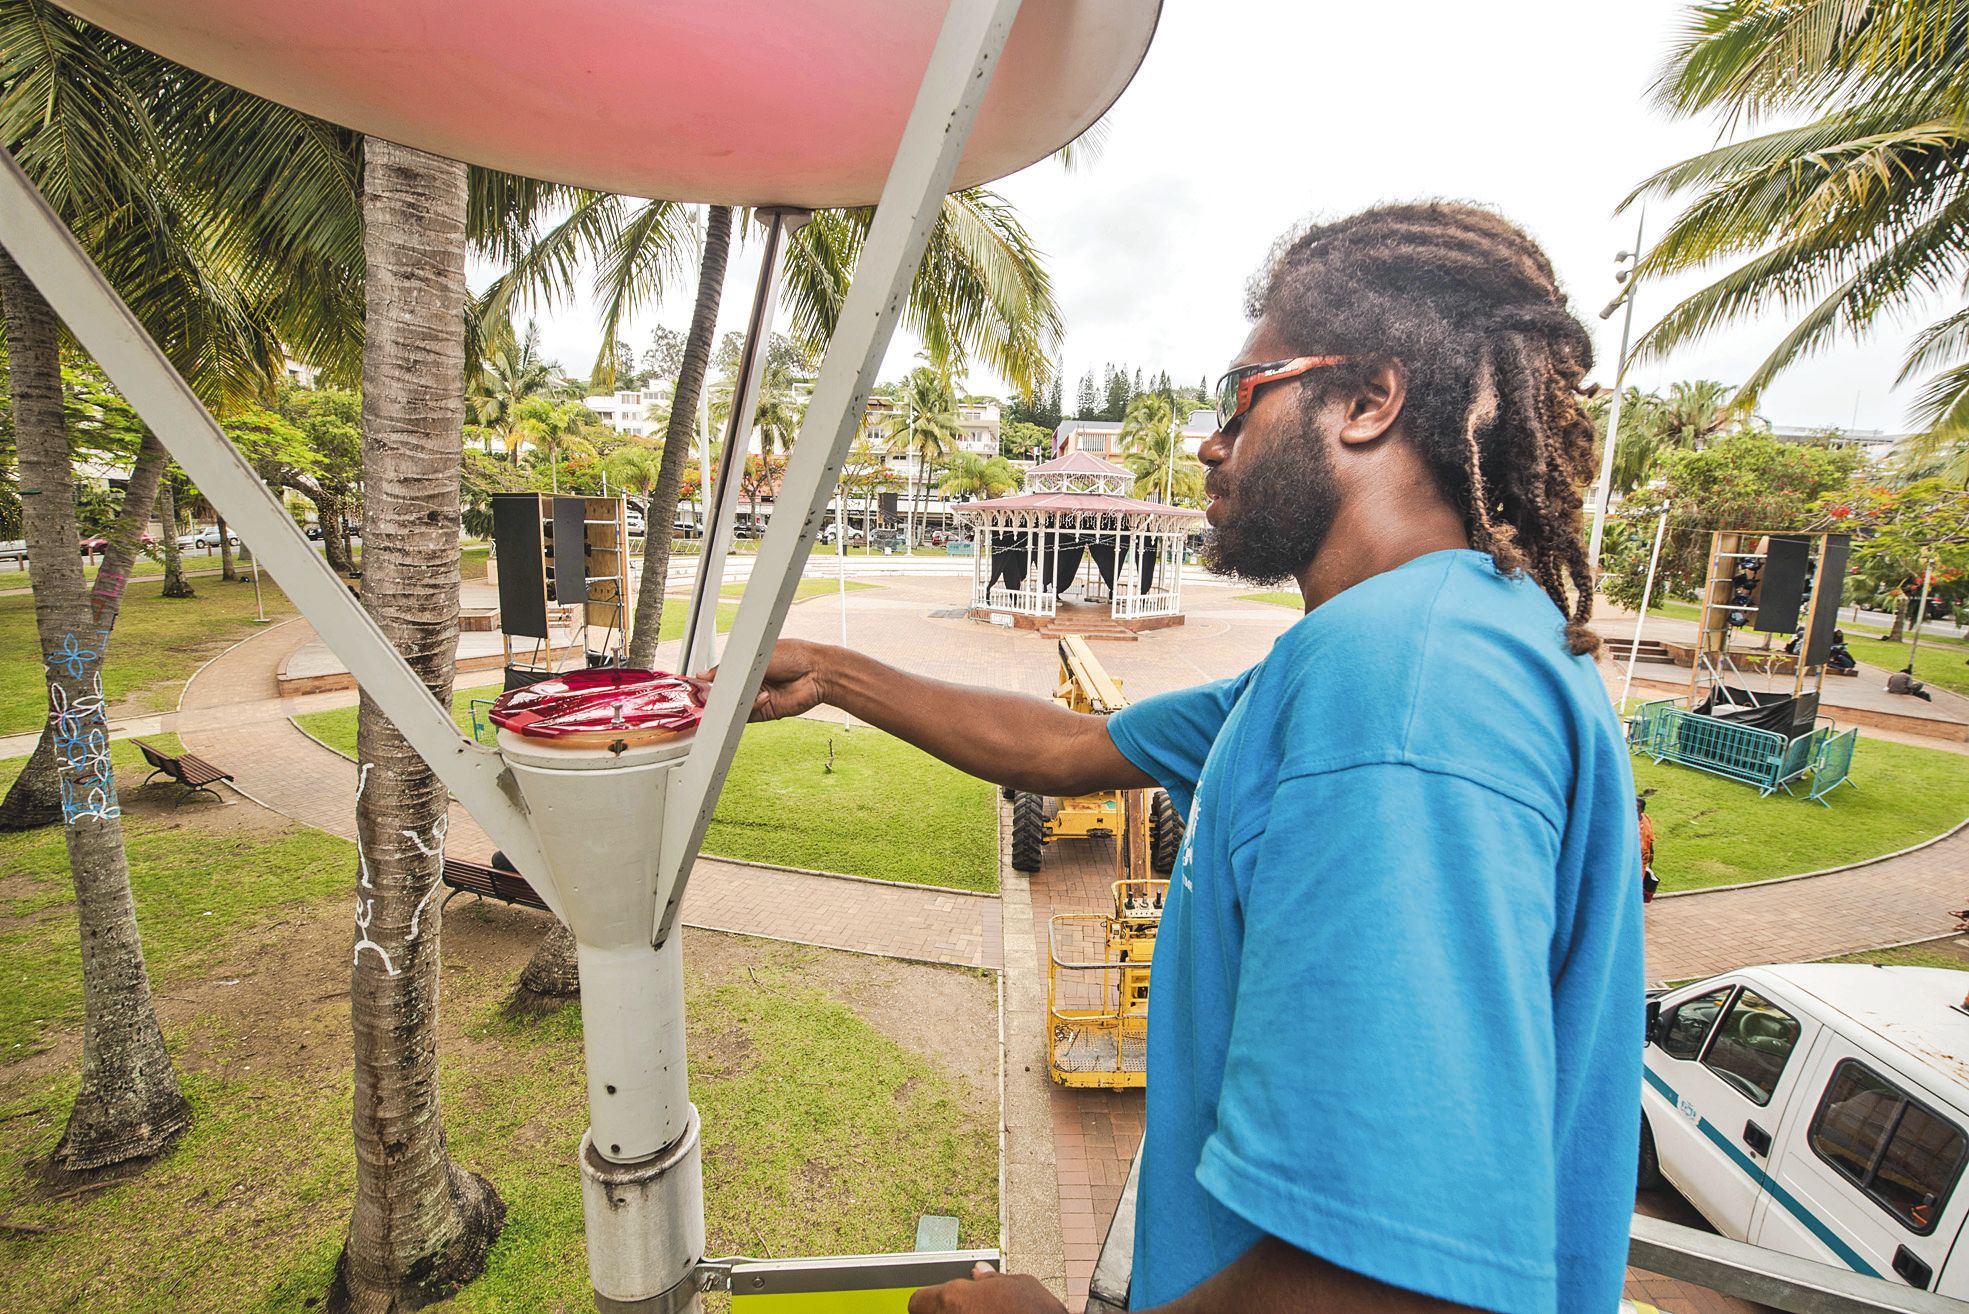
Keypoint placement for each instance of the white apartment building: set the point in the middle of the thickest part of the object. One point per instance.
(1102, 438)
(632, 413)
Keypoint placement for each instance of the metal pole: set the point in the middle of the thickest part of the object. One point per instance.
(1647, 595)
(841, 555)
(1605, 494)
(960, 69)
(701, 632)
(40, 243)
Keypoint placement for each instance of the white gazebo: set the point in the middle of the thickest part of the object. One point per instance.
(1076, 544)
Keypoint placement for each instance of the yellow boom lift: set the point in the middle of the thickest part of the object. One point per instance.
(1097, 978)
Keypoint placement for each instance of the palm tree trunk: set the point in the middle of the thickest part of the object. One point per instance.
(227, 570)
(1898, 630)
(551, 977)
(175, 583)
(335, 534)
(677, 439)
(129, 1105)
(420, 1224)
(35, 797)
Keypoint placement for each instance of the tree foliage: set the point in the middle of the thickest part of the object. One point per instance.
(1857, 207)
(1741, 481)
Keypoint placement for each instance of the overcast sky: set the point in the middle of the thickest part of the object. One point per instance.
(1249, 116)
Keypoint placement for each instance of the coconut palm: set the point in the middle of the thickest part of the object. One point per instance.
(982, 291)
(512, 375)
(925, 428)
(420, 1223)
(1152, 451)
(563, 429)
(970, 475)
(1857, 212)
(636, 467)
(84, 116)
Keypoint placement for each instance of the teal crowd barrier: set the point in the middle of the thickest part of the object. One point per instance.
(1766, 759)
(1834, 764)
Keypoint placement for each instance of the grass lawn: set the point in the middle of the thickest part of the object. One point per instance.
(834, 1110)
(1712, 831)
(885, 810)
(157, 645)
(192, 886)
(1930, 953)
(1280, 599)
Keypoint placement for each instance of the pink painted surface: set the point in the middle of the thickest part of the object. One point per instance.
(732, 101)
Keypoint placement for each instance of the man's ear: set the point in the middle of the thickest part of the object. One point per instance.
(1375, 404)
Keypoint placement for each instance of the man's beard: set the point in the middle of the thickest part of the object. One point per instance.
(1276, 515)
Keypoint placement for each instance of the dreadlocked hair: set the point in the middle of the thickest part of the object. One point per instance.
(1470, 307)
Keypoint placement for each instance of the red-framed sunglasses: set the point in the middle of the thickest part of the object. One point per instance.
(1237, 389)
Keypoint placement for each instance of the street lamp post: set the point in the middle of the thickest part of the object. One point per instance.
(1605, 492)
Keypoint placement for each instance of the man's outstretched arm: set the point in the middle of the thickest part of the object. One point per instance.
(1009, 739)
(1270, 1278)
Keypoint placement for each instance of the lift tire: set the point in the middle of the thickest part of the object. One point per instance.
(1650, 1173)
(1007, 793)
(1167, 828)
(1028, 830)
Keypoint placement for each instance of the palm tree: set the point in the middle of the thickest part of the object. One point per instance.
(926, 428)
(636, 468)
(1695, 412)
(420, 1224)
(512, 375)
(981, 290)
(1855, 213)
(563, 429)
(1152, 450)
(88, 118)
(129, 1105)
(970, 475)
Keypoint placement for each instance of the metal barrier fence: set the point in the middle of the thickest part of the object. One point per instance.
(1835, 762)
(1764, 758)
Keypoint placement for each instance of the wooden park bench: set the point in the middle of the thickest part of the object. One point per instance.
(485, 882)
(188, 769)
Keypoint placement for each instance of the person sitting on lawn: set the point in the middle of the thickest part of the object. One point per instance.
(1396, 1036)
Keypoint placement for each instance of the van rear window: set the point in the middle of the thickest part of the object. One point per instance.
(1902, 1154)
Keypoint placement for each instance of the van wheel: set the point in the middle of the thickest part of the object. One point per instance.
(1649, 1178)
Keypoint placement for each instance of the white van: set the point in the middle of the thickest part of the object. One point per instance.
(1819, 1110)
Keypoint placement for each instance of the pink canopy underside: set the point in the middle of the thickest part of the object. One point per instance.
(742, 102)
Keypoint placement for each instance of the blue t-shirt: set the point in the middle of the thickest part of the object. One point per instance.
(1396, 1005)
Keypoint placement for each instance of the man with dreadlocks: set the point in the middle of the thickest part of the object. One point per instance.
(1394, 1053)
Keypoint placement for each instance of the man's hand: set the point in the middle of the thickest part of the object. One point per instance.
(792, 683)
(987, 1291)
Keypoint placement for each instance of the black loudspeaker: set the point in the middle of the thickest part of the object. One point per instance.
(567, 562)
(1829, 588)
(1783, 588)
(886, 502)
(516, 539)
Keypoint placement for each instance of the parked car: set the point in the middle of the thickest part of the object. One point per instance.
(632, 520)
(13, 549)
(888, 540)
(1819, 1110)
(313, 531)
(94, 545)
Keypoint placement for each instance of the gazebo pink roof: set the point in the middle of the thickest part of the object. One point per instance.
(1080, 463)
(1088, 503)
